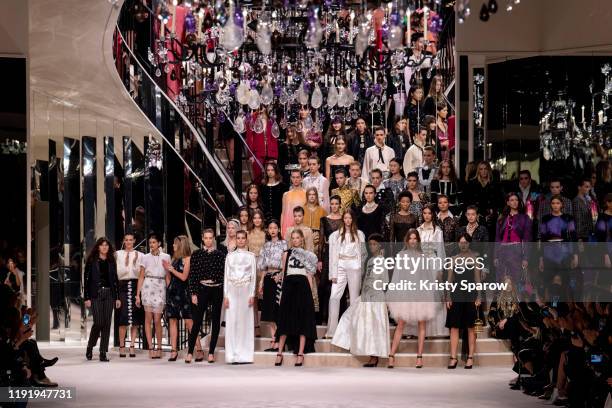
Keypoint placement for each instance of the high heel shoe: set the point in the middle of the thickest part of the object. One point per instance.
(419, 365)
(391, 363)
(452, 367)
(175, 355)
(301, 362)
(132, 352)
(278, 362)
(199, 353)
(211, 358)
(89, 354)
(469, 367)
(158, 354)
(152, 354)
(372, 363)
(188, 359)
(122, 355)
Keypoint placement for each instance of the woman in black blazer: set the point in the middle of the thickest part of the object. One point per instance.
(100, 294)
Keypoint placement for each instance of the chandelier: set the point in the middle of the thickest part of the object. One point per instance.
(561, 132)
(337, 58)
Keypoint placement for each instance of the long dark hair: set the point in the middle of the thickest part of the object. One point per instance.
(353, 230)
(506, 210)
(277, 176)
(94, 254)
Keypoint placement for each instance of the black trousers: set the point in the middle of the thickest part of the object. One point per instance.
(102, 311)
(207, 295)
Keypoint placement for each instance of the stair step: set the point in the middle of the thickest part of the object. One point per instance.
(439, 360)
(432, 346)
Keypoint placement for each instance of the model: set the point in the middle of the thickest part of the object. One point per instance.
(152, 291)
(270, 263)
(177, 300)
(128, 268)
(347, 254)
(461, 304)
(418, 306)
(364, 327)
(296, 321)
(206, 289)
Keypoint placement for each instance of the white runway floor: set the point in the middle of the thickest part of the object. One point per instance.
(142, 382)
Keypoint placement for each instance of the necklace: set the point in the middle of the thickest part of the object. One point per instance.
(369, 207)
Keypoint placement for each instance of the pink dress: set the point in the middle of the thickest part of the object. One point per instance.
(291, 199)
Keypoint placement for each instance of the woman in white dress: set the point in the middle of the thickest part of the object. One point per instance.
(411, 306)
(347, 254)
(151, 291)
(432, 242)
(364, 327)
(239, 296)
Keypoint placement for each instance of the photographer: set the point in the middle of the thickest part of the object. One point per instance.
(21, 361)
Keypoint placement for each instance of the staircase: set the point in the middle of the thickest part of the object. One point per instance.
(489, 351)
(246, 167)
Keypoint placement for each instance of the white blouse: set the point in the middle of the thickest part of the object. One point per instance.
(240, 270)
(132, 269)
(345, 250)
(153, 264)
(432, 241)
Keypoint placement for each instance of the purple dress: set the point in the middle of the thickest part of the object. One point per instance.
(512, 235)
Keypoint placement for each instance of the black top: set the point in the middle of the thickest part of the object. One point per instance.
(399, 143)
(488, 198)
(358, 143)
(371, 223)
(94, 278)
(447, 188)
(287, 155)
(103, 265)
(415, 114)
(272, 200)
(206, 265)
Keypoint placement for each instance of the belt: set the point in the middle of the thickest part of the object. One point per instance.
(154, 277)
(302, 272)
(210, 284)
(347, 257)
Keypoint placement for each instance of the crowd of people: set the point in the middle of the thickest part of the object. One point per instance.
(319, 214)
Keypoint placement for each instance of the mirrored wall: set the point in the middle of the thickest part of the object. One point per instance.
(548, 114)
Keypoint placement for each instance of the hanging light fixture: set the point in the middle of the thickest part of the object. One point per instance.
(484, 13)
(493, 7)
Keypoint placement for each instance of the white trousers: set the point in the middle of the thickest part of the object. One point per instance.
(239, 326)
(349, 271)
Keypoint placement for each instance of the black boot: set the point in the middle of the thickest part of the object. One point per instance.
(89, 353)
(103, 357)
(49, 363)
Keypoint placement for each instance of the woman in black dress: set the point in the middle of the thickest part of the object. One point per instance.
(463, 305)
(371, 217)
(272, 190)
(338, 160)
(288, 152)
(177, 297)
(402, 220)
(329, 224)
(335, 130)
(253, 199)
(296, 317)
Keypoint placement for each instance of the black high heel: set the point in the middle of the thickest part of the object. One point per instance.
(389, 364)
(299, 364)
(122, 355)
(278, 363)
(132, 352)
(372, 363)
(452, 367)
(175, 357)
(89, 354)
(419, 365)
(469, 367)
(160, 352)
(199, 353)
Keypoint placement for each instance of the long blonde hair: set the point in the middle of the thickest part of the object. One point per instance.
(184, 249)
